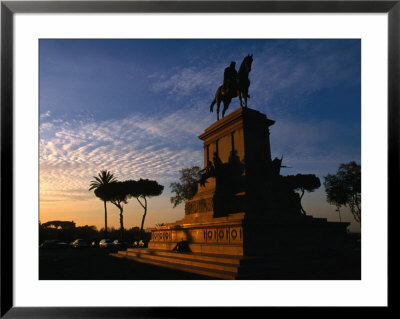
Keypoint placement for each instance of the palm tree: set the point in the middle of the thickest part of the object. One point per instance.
(104, 177)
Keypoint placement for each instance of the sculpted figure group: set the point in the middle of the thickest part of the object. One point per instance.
(235, 84)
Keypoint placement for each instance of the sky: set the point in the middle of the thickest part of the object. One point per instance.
(136, 108)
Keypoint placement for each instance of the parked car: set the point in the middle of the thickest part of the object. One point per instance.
(53, 243)
(79, 243)
(93, 244)
(106, 243)
(120, 244)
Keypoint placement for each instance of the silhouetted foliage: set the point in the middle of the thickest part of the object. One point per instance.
(344, 188)
(117, 193)
(302, 183)
(187, 187)
(103, 178)
(58, 224)
(143, 189)
(85, 232)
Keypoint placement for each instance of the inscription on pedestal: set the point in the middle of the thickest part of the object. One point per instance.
(223, 235)
(161, 235)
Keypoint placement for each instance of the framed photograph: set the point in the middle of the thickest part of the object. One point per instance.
(102, 98)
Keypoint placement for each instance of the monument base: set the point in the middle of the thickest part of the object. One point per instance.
(242, 235)
(244, 219)
(236, 247)
(203, 233)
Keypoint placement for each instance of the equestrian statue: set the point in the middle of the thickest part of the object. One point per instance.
(235, 84)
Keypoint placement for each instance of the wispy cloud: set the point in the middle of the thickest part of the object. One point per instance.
(135, 147)
(289, 77)
(170, 95)
(278, 77)
(188, 81)
(44, 115)
(316, 147)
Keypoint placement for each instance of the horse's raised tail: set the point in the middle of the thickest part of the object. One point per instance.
(212, 105)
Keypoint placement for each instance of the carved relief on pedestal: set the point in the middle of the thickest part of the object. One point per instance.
(232, 234)
(161, 235)
(199, 206)
(225, 235)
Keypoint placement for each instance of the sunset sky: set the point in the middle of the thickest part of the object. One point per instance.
(137, 107)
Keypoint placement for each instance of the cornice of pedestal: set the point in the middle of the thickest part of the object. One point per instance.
(241, 116)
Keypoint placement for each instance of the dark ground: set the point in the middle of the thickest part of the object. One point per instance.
(95, 264)
(88, 263)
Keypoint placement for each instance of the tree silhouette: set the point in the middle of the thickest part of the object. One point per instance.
(302, 183)
(344, 188)
(187, 187)
(103, 178)
(143, 189)
(117, 193)
(59, 224)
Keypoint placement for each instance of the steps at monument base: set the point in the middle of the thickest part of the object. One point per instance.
(203, 248)
(218, 266)
(218, 258)
(175, 266)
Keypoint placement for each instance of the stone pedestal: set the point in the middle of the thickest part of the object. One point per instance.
(245, 221)
(242, 209)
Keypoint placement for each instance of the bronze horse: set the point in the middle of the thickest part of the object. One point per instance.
(242, 88)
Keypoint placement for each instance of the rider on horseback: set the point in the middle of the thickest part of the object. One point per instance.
(236, 84)
(230, 79)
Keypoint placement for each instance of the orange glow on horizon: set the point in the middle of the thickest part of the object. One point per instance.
(91, 212)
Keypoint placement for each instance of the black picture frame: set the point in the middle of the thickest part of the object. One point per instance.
(9, 8)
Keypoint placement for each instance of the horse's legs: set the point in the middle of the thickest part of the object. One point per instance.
(218, 104)
(239, 94)
(224, 110)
